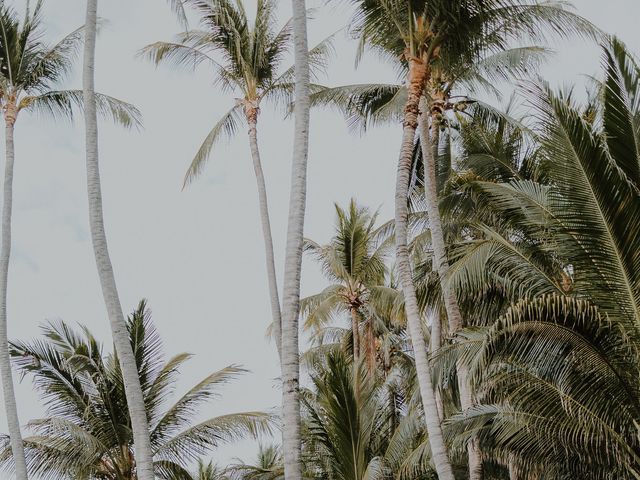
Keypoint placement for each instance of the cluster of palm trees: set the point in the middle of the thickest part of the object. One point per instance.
(491, 329)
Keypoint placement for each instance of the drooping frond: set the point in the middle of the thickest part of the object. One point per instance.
(225, 128)
(61, 104)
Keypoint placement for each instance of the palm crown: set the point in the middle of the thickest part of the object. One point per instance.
(30, 70)
(87, 432)
(246, 59)
(354, 262)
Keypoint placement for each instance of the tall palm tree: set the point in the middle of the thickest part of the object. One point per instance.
(29, 72)
(87, 431)
(251, 57)
(354, 261)
(290, 359)
(135, 399)
(435, 39)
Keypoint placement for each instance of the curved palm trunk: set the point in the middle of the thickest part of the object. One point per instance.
(252, 119)
(133, 391)
(293, 254)
(10, 406)
(442, 267)
(417, 75)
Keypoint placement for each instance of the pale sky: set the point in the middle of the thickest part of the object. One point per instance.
(197, 255)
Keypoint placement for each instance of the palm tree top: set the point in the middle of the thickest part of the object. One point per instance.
(88, 429)
(457, 32)
(31, 69)
(246, 56)
(249, 53)
(355, 255)
(26, 62)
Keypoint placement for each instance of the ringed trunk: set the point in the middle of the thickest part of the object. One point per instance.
(441, 264)
(291, 440)
(276, 315)
(417, 76)
(11, 408)
(133, 391)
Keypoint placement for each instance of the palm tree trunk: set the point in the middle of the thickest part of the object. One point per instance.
(438, 448)
(442, 267)
(133, 391)
(371, 345)
(355, 332)
(293, 254)
(252, 119)
(436, 343)
(11, 408)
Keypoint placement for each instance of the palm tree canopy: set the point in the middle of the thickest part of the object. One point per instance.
(451, 35)
(357, 426)
(353, 261)
(31, 70)
(557, 371)
(87, 431)
(246, 58)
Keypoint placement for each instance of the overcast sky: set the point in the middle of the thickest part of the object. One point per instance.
(197, 255)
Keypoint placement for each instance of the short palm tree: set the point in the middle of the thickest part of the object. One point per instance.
(357, 427)
(87, 433)
(208, 471)
(30, 70)
(354, 261)
(251, 57)
(267, 466)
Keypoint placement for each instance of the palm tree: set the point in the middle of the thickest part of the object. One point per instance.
(135, 399)
(290, 359)
(559, 366)
(268, 466)
(354, 261)
(435, 40)
(29, 72)
(251, 58)
(87, 431)
(357, 427)
(208, 471)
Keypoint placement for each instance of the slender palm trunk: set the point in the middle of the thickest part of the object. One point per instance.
(133, 391)
(442, 267)
(355, 332)
(438, 448)
(293, 254)
(371, 345)
(10, 406)
(252, 119)
(436, 343)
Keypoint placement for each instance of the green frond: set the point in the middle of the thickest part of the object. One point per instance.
(189, 444)
(188, 406)
(225, 128)
(60, 104)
